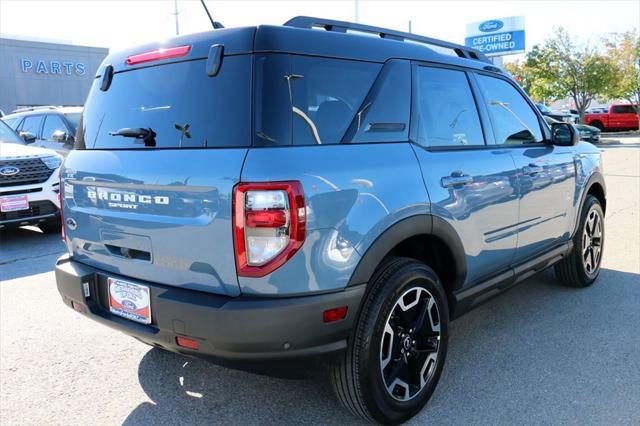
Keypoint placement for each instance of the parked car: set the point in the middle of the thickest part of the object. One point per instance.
(53, 127)
(279, 193)
(587, 133)
(29, 184)
(617, 117)
(556, 115)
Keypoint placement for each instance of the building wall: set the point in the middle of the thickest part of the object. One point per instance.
(39, 73)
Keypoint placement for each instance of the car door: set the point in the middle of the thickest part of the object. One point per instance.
(32, 124)
(471, 185)
(53, 124)
(546, 173)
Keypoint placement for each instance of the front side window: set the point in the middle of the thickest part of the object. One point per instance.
(31, 124)
(514, 122)
(52, 124)
(445, 112)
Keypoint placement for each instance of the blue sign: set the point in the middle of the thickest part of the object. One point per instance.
(52, 67)
(496, 37)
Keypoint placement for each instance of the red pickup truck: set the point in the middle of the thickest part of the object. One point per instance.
(619, 117)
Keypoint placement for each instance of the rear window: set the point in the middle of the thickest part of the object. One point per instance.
(183, 106)
(623, 109)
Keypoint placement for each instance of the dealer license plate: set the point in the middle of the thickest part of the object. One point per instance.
(129, 300)
(13, 204)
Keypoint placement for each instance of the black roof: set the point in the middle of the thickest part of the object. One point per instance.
(319, 37)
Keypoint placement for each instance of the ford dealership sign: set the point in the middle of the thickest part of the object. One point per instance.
(497, 37)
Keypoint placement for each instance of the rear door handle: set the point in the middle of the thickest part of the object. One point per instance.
(532, 169)
(456, 179)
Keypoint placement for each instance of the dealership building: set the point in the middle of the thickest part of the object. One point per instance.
(34, 73)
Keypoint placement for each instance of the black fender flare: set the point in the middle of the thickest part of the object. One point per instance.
(423, 224)
(596, 177)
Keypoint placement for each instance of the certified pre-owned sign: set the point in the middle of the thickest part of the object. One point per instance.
(496, 37)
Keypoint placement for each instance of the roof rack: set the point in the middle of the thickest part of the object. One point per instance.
(34, 108)
(343, 27)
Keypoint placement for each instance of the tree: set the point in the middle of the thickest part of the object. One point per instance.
(560, 68)
(579, 72)
(624, 50)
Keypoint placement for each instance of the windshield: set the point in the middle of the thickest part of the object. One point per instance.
(7, 135)
(74, 119)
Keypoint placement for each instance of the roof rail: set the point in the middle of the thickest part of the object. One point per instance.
(34, 108)
(343, 26)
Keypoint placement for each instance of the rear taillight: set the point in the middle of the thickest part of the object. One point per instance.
(63, 234)
(269, 222)
(158, 54)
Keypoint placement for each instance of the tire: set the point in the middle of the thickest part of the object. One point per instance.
(598, 125)
(582, 266)
(53, 227)
(374, 355)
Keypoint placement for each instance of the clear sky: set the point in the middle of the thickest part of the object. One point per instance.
(120, 23)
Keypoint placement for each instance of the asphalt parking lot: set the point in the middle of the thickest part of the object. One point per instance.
(539, 354)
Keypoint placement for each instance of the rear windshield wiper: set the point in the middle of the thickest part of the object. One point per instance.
(148, 136)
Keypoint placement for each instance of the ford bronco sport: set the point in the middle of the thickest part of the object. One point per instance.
(297, 191)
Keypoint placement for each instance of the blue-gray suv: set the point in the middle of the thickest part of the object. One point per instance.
(321, 189)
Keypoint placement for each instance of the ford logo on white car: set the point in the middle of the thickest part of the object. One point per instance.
(9, 171)
(490, 26)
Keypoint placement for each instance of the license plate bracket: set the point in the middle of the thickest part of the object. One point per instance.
(129, 300)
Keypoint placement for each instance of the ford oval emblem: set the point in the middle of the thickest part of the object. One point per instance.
(129, 304)
(490, 26)
(9, 171)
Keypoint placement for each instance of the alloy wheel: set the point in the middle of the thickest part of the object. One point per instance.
(410, 344)
(592, 242)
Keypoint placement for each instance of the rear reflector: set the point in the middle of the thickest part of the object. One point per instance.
(158, 54)
(77, 307)
(335, 314)
(185, 342)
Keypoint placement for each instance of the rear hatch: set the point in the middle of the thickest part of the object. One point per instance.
(147, 192)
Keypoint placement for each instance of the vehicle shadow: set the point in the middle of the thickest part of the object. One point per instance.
(27, 251)
(506, 359)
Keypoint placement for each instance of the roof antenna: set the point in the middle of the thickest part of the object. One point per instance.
(215, 24)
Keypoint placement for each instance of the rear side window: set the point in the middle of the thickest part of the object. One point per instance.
(306, 100)
(623, 109)
(31, 124)
(445, 112)
(183, 106)
(514, 121)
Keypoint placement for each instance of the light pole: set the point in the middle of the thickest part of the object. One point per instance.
(356, 10)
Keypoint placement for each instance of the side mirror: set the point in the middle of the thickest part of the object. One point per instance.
(28, 137)
(59, 136)
(564, 134)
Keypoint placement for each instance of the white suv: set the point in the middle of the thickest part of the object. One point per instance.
(29, 184)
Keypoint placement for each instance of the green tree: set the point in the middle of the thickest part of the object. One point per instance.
(560, 68)
(624, 50)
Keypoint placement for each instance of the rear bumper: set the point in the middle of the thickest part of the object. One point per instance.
(230, 330)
